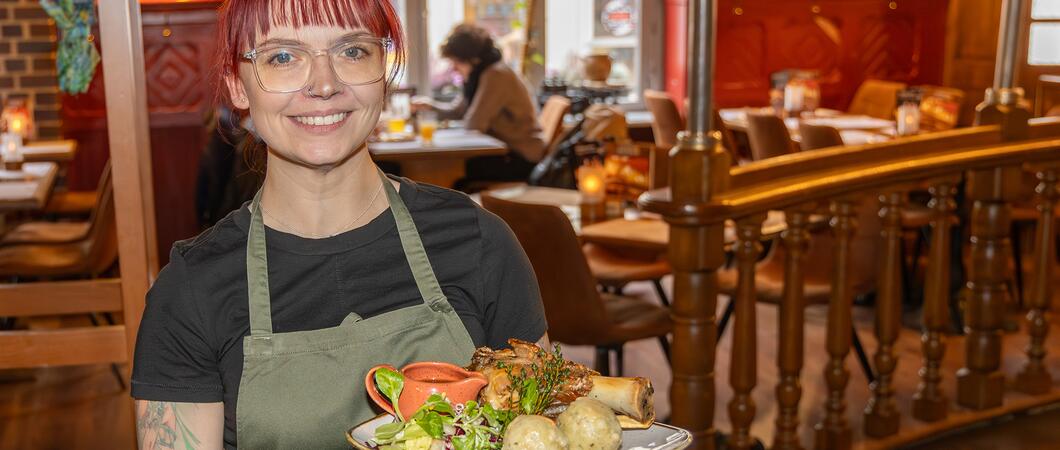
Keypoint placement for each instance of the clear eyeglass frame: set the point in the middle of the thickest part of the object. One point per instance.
(385, 43)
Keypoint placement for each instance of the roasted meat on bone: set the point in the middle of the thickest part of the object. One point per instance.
(628, 396)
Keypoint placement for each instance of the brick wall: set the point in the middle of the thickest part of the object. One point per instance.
(27, 52)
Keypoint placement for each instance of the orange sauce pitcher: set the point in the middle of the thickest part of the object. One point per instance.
(423, 379)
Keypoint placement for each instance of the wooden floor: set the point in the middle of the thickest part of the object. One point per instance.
(84, 408)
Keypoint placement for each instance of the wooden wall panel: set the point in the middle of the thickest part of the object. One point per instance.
(847, 41)
(178, 53)
(971, 47)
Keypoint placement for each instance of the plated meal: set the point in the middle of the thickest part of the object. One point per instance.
(523, 398)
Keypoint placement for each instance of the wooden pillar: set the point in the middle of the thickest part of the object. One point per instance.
(929, 402)
(1033, 377)
(699, 168)
(790, 324)
(881, 417)
(834, 433)
(743, 374)
(130, 153)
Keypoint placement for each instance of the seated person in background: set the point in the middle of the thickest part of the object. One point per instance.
(495, 101)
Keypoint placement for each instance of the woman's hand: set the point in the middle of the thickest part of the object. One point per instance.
(422, 103)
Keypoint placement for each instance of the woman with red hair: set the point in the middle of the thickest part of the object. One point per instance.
(259, 330)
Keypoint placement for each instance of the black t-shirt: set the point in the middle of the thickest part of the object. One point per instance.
(190, 345)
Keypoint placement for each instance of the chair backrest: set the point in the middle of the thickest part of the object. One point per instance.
(551, 119)
(1053, 112)
(768, 136)
(813, 137)
(573, 306)
(101, 187)
(876, 98)
(666, 119)
(101, 245)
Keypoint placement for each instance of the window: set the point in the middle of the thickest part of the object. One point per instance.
(630, 34)
(1044, 36)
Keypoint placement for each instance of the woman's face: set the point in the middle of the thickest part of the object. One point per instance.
(462, 67)
(323, 124)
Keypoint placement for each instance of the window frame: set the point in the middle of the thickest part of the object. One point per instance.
(650, 56)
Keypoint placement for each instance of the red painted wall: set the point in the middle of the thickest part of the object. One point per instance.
(848, 41)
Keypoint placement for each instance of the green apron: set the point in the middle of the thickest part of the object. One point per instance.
(305, 389)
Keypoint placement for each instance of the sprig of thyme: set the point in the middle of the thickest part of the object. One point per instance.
(535, 386)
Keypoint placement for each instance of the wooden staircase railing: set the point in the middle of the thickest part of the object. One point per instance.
(706, 192)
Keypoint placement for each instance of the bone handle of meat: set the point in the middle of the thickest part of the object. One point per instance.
(628, 396)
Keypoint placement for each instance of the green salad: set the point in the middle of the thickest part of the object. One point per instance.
(439, 424)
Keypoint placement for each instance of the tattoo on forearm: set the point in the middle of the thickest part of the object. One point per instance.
(159, 425)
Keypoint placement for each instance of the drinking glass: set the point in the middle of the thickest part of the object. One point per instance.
(428, 122)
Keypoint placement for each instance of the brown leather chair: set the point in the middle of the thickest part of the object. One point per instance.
(551, 119)
(58, 232)
(818, 265)
(768, 136)
(577, 313)
(85, 258)
(614, 268)
(813, 137)
(876, 98)
(666, 119)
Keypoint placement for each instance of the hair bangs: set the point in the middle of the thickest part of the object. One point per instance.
(242, 22)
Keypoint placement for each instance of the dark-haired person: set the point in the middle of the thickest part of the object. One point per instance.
(259, 331)
(495, 101)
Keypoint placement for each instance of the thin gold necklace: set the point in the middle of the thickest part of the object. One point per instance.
(341, 230)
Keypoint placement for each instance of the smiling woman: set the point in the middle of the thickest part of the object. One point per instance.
(254, 331)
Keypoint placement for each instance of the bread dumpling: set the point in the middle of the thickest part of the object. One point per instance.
(590, 425)
(533, 433)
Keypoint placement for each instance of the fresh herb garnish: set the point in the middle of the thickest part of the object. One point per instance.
(534, 386)
(390, 383)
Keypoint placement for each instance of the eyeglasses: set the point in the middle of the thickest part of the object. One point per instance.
(286, 68)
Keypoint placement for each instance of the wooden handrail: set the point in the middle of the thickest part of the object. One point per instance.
(821, 184)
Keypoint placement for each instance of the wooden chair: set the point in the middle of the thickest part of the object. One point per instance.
(551, 119)
(876, 98)
(578, 313)
(818, 266)
(813, 137)
(768, 136)
(58, 232)
(666, 119)
(613, 268)
(88, 257)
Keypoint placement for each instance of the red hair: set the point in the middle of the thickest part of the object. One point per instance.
(240, 21)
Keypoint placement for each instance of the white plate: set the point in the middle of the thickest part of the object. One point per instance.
(658, 437)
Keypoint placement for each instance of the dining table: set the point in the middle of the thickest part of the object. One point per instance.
(60, 151)
(855, 129)
(26, 189)
(441, 161)
(625, 228)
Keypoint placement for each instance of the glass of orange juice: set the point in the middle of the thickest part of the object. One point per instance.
(428, 123)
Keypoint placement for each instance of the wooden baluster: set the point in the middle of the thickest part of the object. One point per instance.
(881, 415)
(980, 384)
(833, 433)
(1033, 377)
(743, 373)
(929, 402)
(790, 345)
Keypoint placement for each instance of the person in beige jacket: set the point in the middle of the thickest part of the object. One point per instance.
(494, 101)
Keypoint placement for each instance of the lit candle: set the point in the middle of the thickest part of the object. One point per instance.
(591, 182)
(908, 116)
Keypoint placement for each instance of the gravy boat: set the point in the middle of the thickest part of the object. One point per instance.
(423, 379)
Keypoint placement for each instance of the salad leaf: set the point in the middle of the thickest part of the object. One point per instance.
(387, 432)
(530, 394)
(390, 383)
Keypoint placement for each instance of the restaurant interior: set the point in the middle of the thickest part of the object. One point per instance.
(809, 223)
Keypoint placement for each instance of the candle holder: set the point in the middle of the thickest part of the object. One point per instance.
(17, 118)
(11, 151)
(908, 113)
(592, 184)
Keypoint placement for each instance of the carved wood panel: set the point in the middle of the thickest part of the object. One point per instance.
(178, 57)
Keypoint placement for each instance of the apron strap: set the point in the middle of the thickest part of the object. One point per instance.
(258, 273)
(422, 271)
